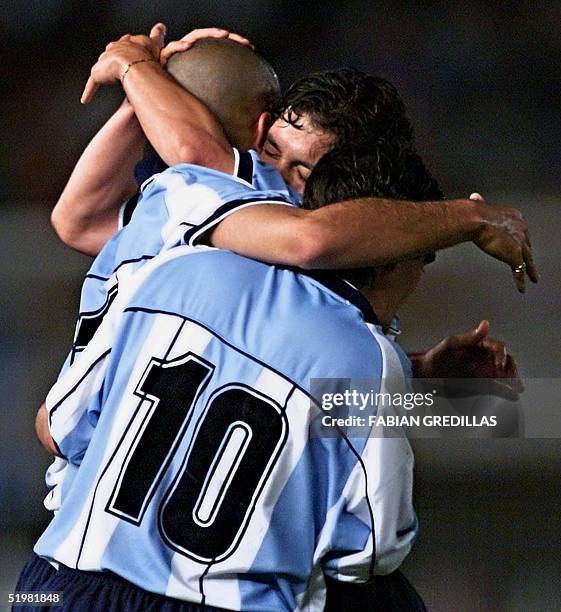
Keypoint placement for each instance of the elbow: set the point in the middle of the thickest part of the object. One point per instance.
(78, 237)
(61, 225)
(312, 245)
(183, 153)
(57, 222)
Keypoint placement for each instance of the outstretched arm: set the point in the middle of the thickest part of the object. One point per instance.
(372, 232)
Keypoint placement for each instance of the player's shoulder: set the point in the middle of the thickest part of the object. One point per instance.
(191, 183)
(395, 361)
(265, 176)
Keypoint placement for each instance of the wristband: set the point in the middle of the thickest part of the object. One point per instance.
(131, 64)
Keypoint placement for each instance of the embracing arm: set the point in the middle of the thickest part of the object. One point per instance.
(87, 211)
(177, 124)
(371, 232)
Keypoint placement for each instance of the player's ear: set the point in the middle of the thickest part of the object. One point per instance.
(262, 127)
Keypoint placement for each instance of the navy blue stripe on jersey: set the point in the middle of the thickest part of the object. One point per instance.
(129, 207)
(345, 290)
(123, 263)
(149, 165)
(245, 167)
(78, 383)
(97, 277)
(89, 322)
(192, 237)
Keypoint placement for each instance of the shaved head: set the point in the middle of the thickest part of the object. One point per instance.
(235, 83)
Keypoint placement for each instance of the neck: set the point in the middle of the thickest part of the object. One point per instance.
(383, 303)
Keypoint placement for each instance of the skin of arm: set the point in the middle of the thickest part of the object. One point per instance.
(42, 431)
(373, 232)
(183, 130)
(86, 213)
(347, 234)
(179, 127)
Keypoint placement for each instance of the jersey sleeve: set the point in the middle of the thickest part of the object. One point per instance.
(73, 403)
(196, 199)
(374, 522)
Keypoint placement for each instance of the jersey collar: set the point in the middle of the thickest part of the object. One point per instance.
(345, 290)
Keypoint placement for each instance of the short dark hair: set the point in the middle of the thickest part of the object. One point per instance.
(382, 167)
(350, 104)
(233, 81)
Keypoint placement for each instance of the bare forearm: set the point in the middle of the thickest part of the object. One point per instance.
(370, 232)
(179, 127)
(86, 213)
(349, 234)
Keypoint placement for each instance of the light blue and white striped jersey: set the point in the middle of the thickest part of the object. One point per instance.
(177, 205)
(190, 418)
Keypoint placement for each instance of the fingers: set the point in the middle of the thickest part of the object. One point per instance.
(503, 389)
(531, 268)
(482, 330)
(477, 196)
(205, 33)
(171, 48)
(512, 374)
(470, 338)
(187, 41)
(216, 33)
(89, 91)
(497, 353)
(519, 276)
(158, 34)
(241, 40)
(505, 237)
(504, 364)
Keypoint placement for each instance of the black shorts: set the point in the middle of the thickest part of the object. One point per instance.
(391, 593)
(107, 592)
(94, 591)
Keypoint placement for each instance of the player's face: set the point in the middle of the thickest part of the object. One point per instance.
(295, 151)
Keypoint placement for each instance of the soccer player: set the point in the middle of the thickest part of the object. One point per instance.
(147, 225)
(190, 417)
(318, 112)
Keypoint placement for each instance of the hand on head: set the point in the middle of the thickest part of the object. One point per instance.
(119, 56)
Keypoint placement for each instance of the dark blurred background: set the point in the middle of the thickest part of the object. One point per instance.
(482, 84)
